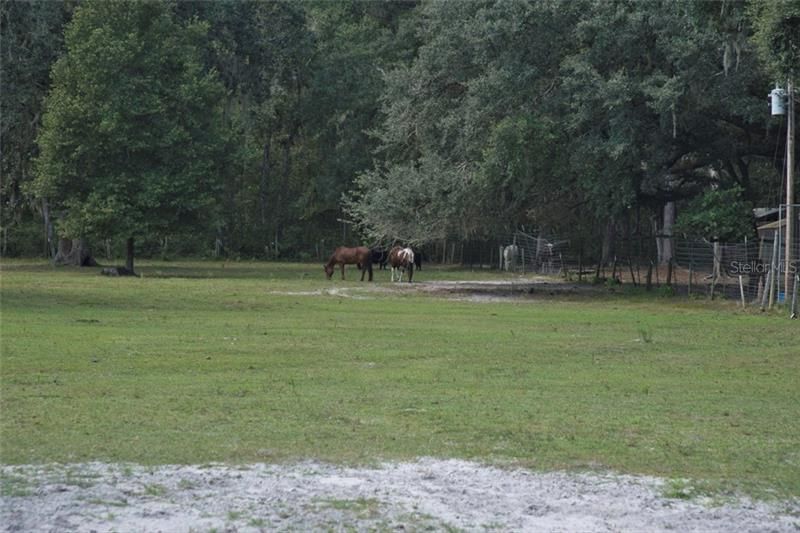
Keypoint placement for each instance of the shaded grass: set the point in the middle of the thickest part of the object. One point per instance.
(195, 362)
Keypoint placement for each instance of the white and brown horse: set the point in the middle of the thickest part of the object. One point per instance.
(401, 260)
(360, 256)
(510, 255)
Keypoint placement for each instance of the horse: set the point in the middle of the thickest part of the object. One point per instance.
(402, 259)
(510, 254)
(380, 256)
(418, 259)
(360, 256)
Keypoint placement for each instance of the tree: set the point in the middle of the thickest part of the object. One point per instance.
(31, 35)
(777, 35)
(464, 121)
(355, 43)
(262, 52)
(718, 215)
(132, 143)
(664, 98)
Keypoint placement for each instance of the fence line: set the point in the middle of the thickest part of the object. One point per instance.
(753, 272)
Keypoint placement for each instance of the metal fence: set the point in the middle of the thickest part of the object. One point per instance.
(754, 272)
(534, 254)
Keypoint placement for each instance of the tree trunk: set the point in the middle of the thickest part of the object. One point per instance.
(263, 187)
(609, 237)
(667, 249)
(50, 245)
(74, 252)
(129, 255)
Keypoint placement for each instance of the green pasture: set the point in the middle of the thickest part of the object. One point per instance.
(243, 362)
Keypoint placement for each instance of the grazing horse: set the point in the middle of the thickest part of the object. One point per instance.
(401, 260)
(380, 256)
(418, 259)
(510, 254)
(350, 256)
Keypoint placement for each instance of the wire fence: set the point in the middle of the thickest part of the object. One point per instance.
(762, 272)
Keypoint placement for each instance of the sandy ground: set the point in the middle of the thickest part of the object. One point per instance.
(427, 494)
(519, 289)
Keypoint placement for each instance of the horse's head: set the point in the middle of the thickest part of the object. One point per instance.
(328, 270)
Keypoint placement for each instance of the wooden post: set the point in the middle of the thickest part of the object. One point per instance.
(773, 266)
(789, 189)
(794, 296)
(741, 290)
(767, 283)
(715, 268)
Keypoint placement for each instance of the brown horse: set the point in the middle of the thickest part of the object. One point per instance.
(401, 259)
(360, 256)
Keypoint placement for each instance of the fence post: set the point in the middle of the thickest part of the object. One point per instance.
(767, 284)
(776, 278)
(772, 266)
(715, 270)
(741, 290)
(794, 297)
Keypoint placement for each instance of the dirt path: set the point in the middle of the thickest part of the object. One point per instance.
(519, 289)
(427, 494)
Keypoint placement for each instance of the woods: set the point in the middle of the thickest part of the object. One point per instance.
(281, 130)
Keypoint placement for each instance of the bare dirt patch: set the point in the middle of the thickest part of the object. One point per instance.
(426, 494)
(521, 289)
(504, 290)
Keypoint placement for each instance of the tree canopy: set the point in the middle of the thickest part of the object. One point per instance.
(276, 129)
(131, 142)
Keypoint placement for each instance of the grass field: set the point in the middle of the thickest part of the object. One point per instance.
(245, 362)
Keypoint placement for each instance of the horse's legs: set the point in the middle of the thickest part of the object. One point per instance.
(342, 270)
(410, 272)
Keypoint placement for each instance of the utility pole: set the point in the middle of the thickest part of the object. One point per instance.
(788, 277)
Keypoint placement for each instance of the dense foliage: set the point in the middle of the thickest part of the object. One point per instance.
(132, 142)
(276, 129)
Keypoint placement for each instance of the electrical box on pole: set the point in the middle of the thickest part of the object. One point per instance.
(777, 97)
